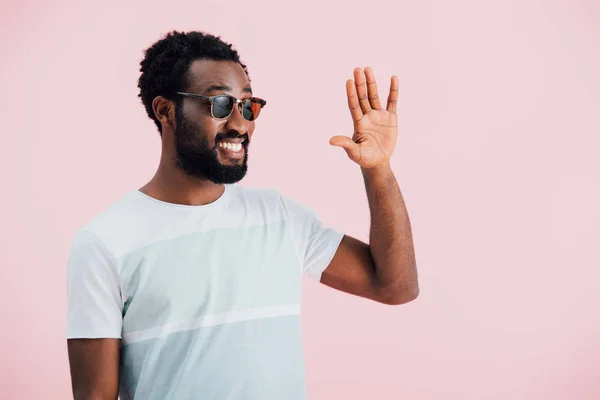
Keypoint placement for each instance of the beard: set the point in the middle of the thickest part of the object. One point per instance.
(197, 159)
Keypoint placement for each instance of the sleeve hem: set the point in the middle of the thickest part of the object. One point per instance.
(316, 274)
(81, 335)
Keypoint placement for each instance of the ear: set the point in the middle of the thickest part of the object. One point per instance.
(164, 111)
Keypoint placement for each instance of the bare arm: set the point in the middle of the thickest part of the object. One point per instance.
(94, 368)
(391, 242)
(385, 269)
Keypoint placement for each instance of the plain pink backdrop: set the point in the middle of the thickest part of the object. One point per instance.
(497, 159)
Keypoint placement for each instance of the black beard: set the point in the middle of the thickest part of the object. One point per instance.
(197, 159)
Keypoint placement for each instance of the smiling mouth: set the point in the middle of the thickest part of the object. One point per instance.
(232, 148)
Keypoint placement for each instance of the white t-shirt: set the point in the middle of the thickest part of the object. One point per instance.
(206, 299)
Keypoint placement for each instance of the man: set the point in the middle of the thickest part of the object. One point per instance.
(189, 288)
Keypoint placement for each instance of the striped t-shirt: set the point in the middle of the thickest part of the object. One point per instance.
(205, 299)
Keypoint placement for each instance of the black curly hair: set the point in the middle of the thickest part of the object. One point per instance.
(166, 64)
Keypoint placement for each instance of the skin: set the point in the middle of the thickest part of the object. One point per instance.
(94, 368)
(170, 183)
(383, 271)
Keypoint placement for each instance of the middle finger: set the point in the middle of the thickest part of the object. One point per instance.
(361, 90)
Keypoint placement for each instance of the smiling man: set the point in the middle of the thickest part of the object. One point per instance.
(189, 287)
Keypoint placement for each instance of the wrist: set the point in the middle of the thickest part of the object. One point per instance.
(381, 170)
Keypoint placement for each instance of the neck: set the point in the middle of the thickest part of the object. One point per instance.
(170, 184)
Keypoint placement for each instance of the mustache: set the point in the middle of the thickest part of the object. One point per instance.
(232, 134)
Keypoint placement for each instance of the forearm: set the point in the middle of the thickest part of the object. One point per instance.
(390, 238)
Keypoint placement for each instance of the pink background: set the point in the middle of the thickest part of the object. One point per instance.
(497, 159)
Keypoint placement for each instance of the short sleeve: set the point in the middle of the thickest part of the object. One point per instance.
(94, 307)
(315, 244)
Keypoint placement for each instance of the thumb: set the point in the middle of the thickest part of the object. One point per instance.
(347, 144)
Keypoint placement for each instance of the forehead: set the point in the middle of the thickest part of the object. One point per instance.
(205, 73)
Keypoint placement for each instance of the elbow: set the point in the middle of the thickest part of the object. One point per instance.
(403, 298)
(400, 294)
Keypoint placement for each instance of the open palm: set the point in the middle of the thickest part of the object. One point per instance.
(375, 128)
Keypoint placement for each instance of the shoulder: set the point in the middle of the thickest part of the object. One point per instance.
(108, 228)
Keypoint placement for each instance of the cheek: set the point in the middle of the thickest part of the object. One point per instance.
(202, 119)
(251, 129)
(210, 127)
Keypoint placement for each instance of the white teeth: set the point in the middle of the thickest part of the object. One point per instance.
(231, 146)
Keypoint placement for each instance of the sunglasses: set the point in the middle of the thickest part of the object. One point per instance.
(221, 106)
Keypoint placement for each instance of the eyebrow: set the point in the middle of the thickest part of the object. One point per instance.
(224, 88)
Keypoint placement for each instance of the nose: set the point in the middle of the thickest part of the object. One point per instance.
(237, 122)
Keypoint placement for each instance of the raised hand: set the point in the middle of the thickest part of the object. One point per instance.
(375, 129)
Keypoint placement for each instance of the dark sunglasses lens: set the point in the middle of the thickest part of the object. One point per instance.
(251, 109)
(222, 106)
